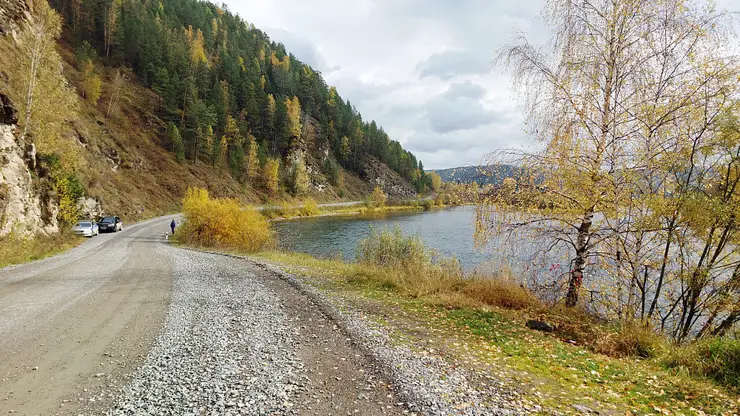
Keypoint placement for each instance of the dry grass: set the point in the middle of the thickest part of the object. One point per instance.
(404, 263)
(493, 337)
(500, 292)
(21, 250)
(630, 340)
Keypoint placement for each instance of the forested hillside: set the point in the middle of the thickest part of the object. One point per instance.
(230, 94)
(119, 105)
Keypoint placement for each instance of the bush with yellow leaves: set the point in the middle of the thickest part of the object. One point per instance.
(222, 223)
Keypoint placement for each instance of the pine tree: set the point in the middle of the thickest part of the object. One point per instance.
(282, 133)
(175, 141)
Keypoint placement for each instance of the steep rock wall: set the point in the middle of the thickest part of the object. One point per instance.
(24, 208)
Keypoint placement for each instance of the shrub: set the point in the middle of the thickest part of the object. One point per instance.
(222, 223)
(392, 249)
(287, 210)
(310, 207)
(404, 263)
(716, 358)
(427, 204)
(70, 189)
(378, 197)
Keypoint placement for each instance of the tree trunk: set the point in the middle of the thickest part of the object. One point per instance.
(579, 263)
(36, 52)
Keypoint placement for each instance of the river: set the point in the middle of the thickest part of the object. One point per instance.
(449, 231)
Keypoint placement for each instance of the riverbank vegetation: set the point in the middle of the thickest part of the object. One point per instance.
(636, 186)
(611, 366)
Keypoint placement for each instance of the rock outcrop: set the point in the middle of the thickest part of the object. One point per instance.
(12, 14)
(25, 209)
(89, 208)
(377, 173)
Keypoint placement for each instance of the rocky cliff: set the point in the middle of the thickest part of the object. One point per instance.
(26, 208)
(12, 14)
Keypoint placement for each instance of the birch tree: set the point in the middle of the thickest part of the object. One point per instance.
(48, 101)
(119, 79)
(38, 41)
(616, 102)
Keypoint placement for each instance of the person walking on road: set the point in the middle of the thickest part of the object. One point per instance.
(172, 225)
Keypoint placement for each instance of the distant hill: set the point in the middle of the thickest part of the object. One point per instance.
(483, 175)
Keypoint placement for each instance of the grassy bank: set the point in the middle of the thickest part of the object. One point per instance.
(15, 250)
(310, 208)
(481, 325)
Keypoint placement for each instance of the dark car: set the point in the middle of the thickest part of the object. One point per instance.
(110, 224)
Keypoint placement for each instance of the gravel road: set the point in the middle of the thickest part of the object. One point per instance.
(126, 324)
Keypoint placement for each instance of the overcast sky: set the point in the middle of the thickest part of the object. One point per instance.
(420, 68)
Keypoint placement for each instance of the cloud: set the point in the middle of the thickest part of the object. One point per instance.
(301, 47)
(460, 108)
(420, 68)
(450, 64)
(465, 89)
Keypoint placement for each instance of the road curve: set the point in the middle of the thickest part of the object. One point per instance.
(127, 324)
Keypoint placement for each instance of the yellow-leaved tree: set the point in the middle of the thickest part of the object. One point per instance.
(197, 45)
(222, 223)
(634, 179)
(251, 159)
(270, 175)
(436, 180)
(299, 177)
(49, 102)
(294, 116)
(378, 197)
(91, 83)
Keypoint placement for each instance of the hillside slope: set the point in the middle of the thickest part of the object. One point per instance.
(109, 133)
(482, 175)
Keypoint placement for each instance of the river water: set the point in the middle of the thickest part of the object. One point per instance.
(449, 231)
(543, 268)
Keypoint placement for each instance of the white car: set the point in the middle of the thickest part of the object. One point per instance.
(86, 228)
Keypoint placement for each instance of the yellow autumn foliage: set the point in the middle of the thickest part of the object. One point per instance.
(270, 175)
(222, 223)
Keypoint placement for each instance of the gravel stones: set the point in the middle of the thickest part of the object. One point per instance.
(428, 384)
(226, 347)
(235, 342)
